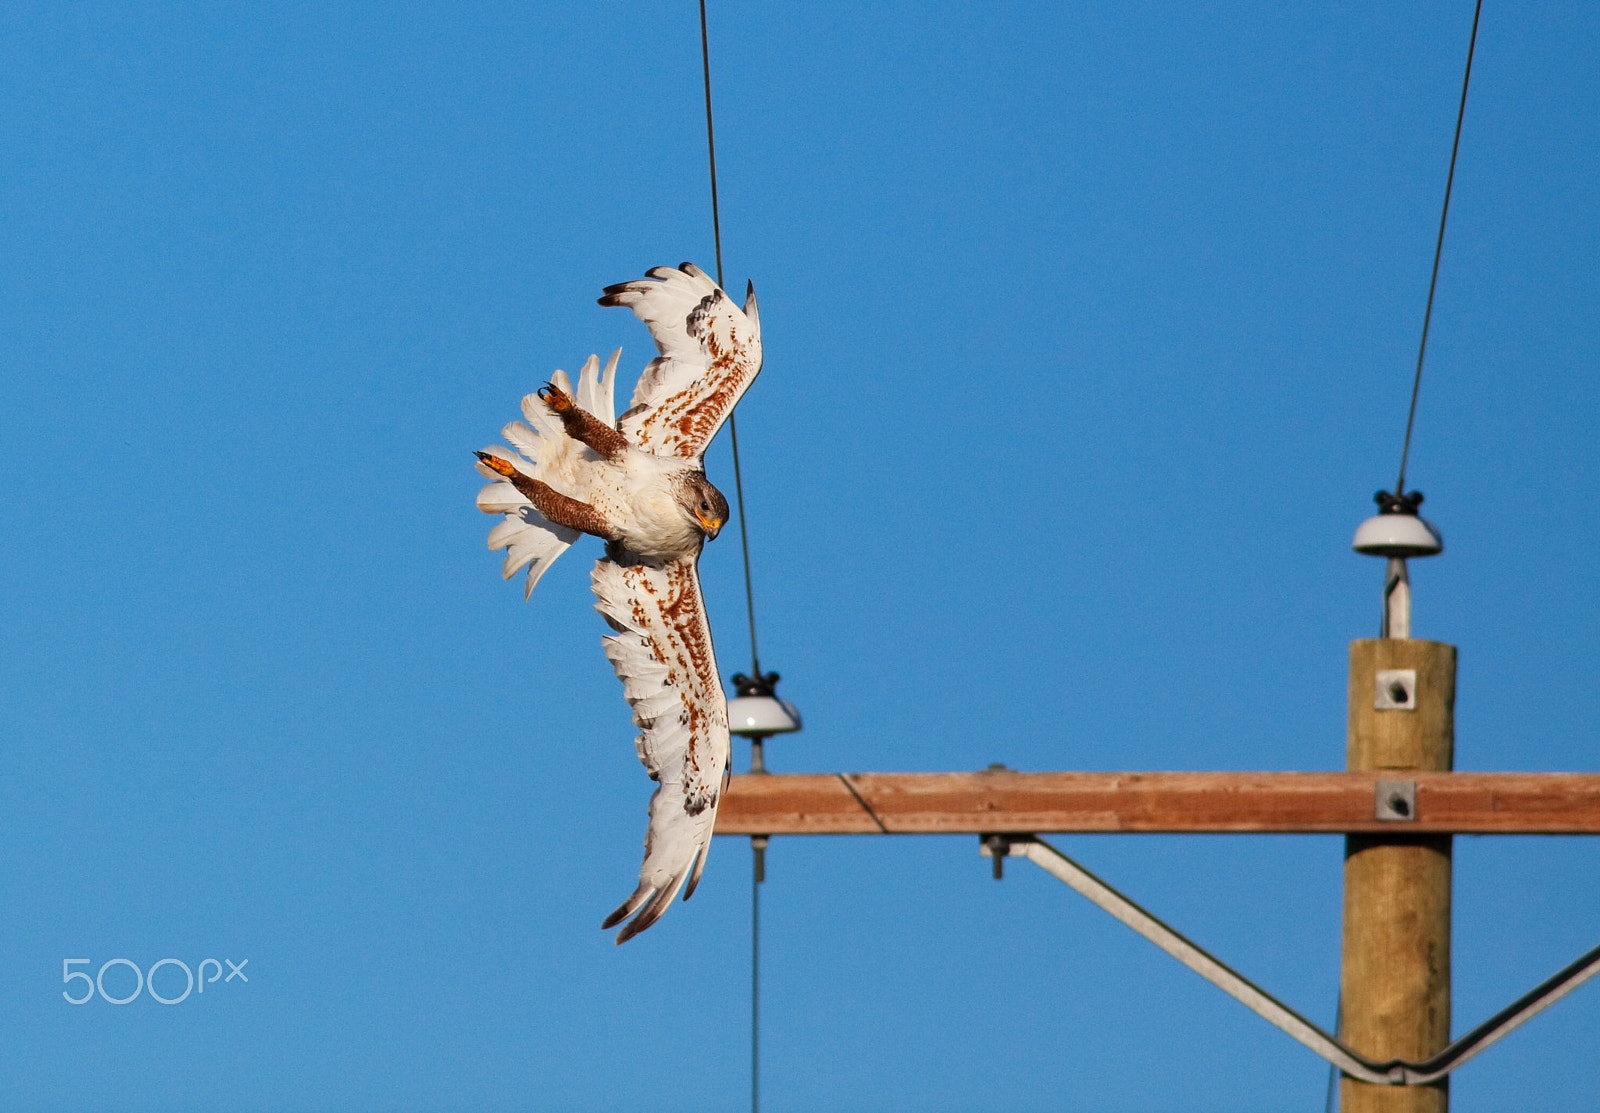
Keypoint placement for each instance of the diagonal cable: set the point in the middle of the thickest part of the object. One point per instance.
(733, 423)
(1438, 249)
(749, 598)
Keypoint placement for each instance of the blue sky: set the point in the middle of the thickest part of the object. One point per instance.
(1089, 335)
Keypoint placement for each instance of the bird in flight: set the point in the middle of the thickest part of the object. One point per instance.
(638, 482)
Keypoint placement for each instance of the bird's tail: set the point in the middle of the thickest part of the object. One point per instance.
(541, 450)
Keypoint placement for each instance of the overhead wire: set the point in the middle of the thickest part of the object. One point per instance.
(758, 849)
(733, 423)
(1438, 249)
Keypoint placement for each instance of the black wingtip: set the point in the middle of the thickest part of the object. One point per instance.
(659, 901)
(615, 293)
(694, 873)
(648, 915)
(625, 909)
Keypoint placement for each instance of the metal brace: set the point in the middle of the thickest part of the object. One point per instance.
(1394, 1072)
(1001, 847)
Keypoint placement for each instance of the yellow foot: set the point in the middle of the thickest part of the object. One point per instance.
(496, 464)
(556, 398)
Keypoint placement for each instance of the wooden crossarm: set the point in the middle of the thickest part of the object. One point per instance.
(1003, 802)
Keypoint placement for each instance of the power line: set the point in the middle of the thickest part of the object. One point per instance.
(711, 140)
(733, 424)
(757, 845)
(1438, 249)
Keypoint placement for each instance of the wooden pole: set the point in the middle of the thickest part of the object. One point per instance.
(1395, 974)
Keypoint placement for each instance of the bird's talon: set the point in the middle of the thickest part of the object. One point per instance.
(556, 398)
(495, 463)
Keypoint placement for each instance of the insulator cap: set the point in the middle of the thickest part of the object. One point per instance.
(757, 711)
(762, 715)
(1396, 530)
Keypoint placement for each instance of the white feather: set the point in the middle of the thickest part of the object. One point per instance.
(543, 452)
(662, 654)
(595, 389)
(689, 317)
(523, 439)
(507, 531)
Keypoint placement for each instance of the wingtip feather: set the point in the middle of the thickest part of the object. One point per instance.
(626, 908)
(699, 868)
(649, 914)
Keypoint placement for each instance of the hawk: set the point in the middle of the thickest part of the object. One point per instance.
(639, 484)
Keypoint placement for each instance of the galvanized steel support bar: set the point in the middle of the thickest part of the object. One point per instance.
(1394, 1072)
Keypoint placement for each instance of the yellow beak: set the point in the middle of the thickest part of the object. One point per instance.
(710, 523)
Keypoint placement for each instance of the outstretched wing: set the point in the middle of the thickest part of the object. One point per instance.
(662, 653)
(710, 353)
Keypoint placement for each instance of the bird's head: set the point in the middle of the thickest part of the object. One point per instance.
(705, 505)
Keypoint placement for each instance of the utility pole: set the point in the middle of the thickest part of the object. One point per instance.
(1395, 969)
(1398, 805)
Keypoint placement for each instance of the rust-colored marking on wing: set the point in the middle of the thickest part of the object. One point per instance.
(684, 650)
(682, 424)
(685, 614)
